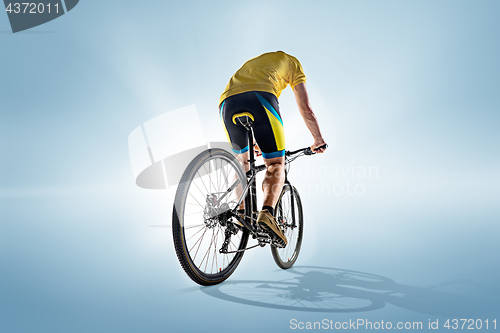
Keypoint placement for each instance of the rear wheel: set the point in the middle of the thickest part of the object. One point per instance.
(209, 188)
(289, 216)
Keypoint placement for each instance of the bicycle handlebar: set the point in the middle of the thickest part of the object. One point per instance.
(306, 151)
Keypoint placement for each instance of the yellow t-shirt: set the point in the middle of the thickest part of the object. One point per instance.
(270, 72)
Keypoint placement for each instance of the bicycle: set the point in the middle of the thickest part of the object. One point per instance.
(209, 194)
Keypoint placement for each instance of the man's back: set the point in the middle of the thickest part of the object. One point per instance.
(270, 72)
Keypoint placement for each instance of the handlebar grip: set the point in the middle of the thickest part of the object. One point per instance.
(321, 147)
(308, 150)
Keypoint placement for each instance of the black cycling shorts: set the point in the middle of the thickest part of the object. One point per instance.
(263, 108)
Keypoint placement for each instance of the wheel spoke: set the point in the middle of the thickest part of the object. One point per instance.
(202, 193)
(194, 226)
(194, 233)
(208, 250)
(200, 241)
(200, 178)
(215, 253)
(199, 204)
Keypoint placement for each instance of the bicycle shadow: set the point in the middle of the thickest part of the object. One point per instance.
(323, 289)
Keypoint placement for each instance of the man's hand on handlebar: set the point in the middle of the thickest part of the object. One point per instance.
(319, 147)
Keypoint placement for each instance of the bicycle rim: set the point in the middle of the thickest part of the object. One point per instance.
(286, 257)
(198, 232)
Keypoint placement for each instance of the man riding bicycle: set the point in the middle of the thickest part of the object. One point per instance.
(253, 91)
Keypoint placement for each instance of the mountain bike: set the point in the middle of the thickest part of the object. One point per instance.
(210, 234)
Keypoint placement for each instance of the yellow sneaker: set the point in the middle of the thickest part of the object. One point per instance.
(269, 224)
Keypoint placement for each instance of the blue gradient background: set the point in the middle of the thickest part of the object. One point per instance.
(411, 87)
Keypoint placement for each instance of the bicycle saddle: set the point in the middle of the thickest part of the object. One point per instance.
(243, 118)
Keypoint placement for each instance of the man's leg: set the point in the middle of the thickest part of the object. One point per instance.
(274, 180)
(243, 159)
(272, 185)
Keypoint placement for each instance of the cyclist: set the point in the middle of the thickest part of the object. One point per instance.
(253, 91)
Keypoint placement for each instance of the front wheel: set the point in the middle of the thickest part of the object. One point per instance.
(289, 216)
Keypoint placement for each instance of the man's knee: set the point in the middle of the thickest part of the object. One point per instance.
(278, 161)
(275, 166)
(275, 170)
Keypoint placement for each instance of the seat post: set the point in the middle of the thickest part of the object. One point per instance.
(251, 154)
(252, 172)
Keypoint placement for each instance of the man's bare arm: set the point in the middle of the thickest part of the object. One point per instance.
(308, 115)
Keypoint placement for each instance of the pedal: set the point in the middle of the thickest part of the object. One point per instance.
(263, 238)
(275, 240)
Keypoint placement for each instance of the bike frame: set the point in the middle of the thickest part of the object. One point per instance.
(251, 189)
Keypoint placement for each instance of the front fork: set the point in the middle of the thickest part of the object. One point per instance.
(279, 214)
